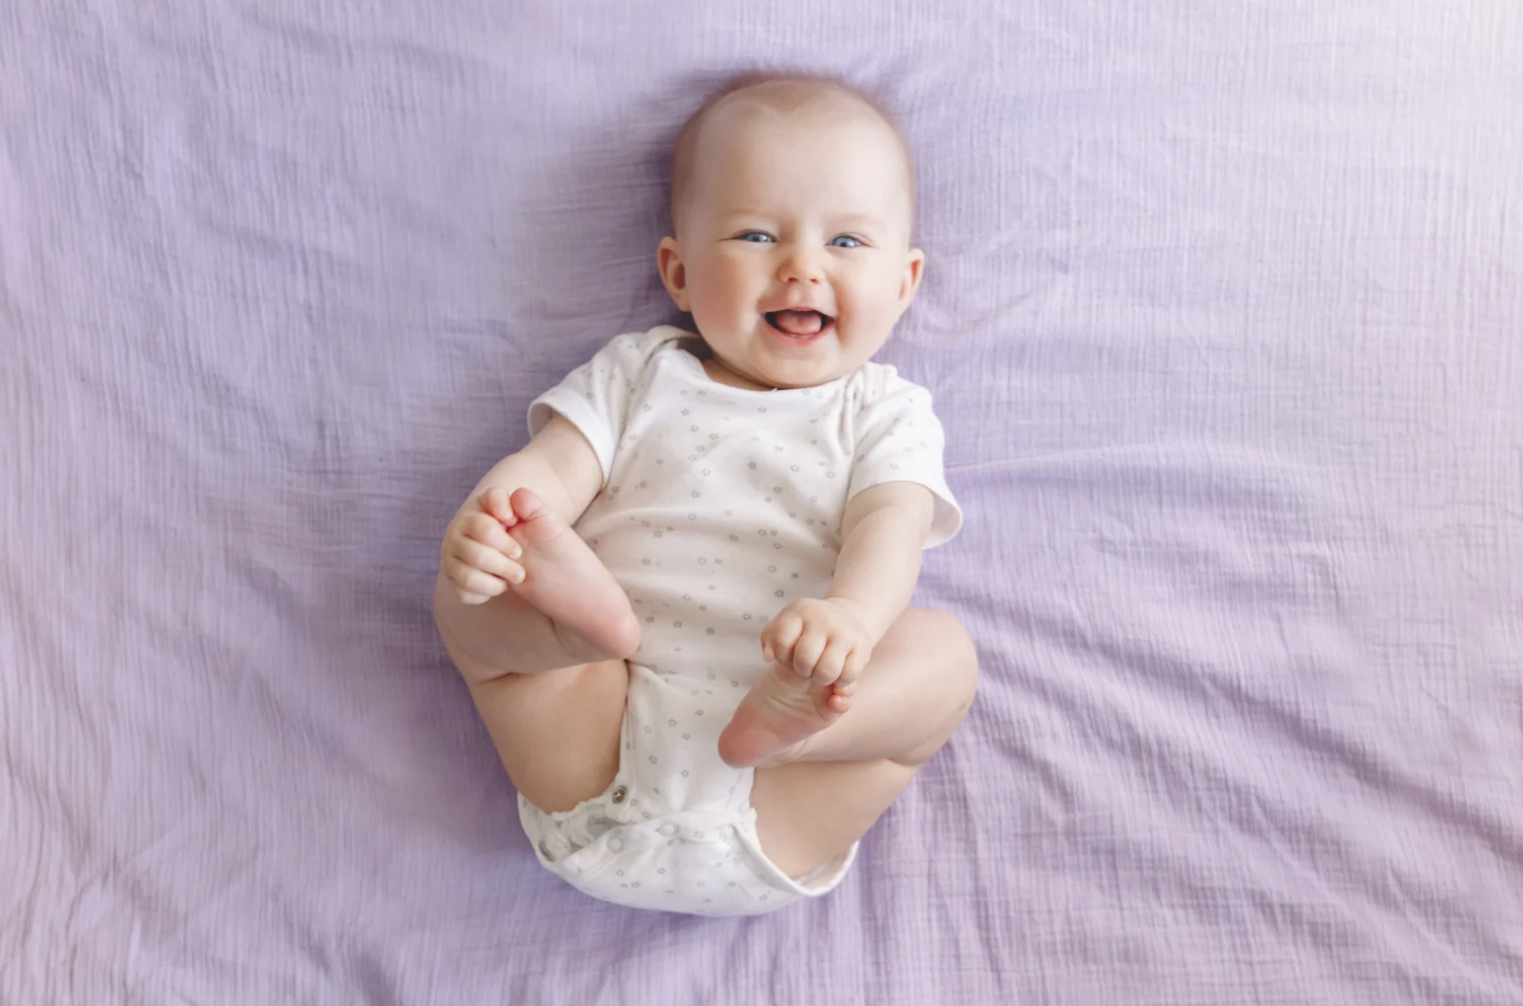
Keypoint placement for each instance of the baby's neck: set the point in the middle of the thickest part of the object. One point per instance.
(719, 374)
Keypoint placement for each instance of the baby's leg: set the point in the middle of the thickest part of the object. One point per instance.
(911, 697)
(557, 732)
(551, 700)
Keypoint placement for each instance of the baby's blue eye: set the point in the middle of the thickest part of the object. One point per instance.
(845, 237)
(756, 237)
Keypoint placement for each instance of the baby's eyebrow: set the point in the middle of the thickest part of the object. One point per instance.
(864, 221)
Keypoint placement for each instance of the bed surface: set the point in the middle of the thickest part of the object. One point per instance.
(1224, 319)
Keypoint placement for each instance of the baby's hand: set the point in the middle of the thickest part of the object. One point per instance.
(820, 638)
(478, 553)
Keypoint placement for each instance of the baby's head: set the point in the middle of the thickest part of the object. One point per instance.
(793, 201)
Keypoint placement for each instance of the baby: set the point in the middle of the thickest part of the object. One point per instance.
(682, 609)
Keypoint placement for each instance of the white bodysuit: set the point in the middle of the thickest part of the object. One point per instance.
(719, 507)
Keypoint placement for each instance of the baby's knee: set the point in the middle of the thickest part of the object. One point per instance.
(958, 657)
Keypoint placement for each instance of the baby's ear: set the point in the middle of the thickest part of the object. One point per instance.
(914, 269)
(673, 272)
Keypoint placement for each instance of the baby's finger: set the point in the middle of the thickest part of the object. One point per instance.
(856, 663)
(495, 502)
(807, 651)
(832, 662)
(460, 571)
(779, 638)
(485, 529)
(491, 560)
(494, 541)
(467, 581)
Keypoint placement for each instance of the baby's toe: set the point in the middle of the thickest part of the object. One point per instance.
(527, 505)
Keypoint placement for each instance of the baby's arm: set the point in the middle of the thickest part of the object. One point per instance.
(477, 555)
(882, 533)
(558, 464)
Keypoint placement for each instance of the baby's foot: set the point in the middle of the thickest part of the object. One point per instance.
(778, 716)
(567, 582)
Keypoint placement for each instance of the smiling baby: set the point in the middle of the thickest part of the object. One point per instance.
(682, 609)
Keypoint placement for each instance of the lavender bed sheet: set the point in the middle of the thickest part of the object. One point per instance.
(1224, 318)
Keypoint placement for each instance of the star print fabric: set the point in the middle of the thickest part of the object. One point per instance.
(721, 505)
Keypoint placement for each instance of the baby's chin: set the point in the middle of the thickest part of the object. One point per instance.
(759, 360)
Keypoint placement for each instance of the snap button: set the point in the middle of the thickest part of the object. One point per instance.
(619, 793)
(614, 845)
(668, 830)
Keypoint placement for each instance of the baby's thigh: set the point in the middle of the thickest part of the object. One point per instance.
(557, 732)
(808, 813)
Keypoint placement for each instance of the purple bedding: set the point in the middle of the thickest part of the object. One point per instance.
(1224, 317)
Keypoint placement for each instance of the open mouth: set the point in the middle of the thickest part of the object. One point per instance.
(801, 325)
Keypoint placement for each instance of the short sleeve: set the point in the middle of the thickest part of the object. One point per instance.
(595, 396)
(899, 439)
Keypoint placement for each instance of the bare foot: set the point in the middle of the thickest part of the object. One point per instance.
(778, 716)
(567, 582)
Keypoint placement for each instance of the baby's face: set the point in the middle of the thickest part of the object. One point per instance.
(792, 252)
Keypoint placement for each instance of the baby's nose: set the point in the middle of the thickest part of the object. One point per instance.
(803, 266)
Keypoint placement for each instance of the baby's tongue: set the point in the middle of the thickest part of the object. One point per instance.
(799, 322)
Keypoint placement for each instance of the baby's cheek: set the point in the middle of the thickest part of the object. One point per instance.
(719, 290)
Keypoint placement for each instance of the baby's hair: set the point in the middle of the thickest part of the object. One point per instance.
(791, 91)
